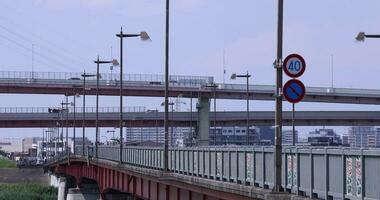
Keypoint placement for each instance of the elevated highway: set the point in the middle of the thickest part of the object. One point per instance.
(138, 117)
(153, 86)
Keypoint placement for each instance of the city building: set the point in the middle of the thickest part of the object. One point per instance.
(287, 137)
(235, 135)
(182, 136)
(178, 136)
(345, 140)
(364, 136)
(11, 144)
(266, 135)
(324, 137)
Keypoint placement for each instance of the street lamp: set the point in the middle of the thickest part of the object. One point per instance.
(98, 62)
(113, 133)
(361, 36)
(74, 113)
(84, 75)
(171, 104)
(66, 123)
(156, 112)
(144, 37)
(214, 86)
(277, 187)
(247, 76)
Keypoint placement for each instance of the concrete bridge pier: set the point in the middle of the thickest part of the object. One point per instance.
(203, 125)
(62, 188)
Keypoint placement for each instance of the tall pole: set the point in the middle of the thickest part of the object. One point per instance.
(293, 126)
(166, 129)
(247, 125)
(84, 114)
(172, 125)
(156, 126)
(61, 135)
(74, 126)
(97, 109)
(278, 118)
(43, 140)
(67, 125)
(121, 96)
(191, 119)
(47, 143)
(214, 115)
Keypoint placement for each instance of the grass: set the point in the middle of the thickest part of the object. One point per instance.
(5, 163)
(29, 191)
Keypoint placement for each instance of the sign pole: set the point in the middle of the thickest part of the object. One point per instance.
(293, 125)
(278, 114)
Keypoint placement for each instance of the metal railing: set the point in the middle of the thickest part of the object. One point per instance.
(324, 173)
(71, 109)
(23, 77)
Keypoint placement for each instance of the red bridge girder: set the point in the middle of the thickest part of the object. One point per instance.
(142, 186)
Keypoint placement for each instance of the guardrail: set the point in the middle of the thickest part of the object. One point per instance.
(324, 173)
(71, 109)
(105, 78)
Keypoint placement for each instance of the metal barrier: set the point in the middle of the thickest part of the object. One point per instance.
(345, 173)
(71, 109)
(23, 77)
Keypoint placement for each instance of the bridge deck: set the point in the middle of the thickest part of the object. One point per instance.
(324, 173)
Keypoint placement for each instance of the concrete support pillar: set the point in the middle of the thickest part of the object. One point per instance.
(203, 125)
(61, 188)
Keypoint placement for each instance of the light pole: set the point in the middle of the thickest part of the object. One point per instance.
(66, 122)
(84, 75)
(143, 36)
(42, 146)
(48, 139)
(171, 104)
(98, 62)
(156, 123)
(247, 76)
(113, 133)
(278, 95)
(361, 36)
(74, 113)
(214, 86)
(166, 115)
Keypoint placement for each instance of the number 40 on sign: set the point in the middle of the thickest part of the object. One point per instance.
(294, 65)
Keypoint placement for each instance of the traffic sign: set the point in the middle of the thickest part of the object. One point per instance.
(294, 91)
(294, 65)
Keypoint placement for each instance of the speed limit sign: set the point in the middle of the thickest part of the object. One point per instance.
(294, 65)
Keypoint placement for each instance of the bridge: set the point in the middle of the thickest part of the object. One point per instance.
(29, 117)
(224, 172)
(147, 85)
(204, 172)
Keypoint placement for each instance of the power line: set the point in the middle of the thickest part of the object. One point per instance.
(30, 50)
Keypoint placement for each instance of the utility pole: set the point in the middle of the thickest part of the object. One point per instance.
(278, 117)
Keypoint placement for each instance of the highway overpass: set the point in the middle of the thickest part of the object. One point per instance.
(39, 117)
(153, 86)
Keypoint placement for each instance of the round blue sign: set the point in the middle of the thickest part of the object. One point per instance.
(294, 91)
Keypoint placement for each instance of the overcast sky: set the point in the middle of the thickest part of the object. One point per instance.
(69, 34)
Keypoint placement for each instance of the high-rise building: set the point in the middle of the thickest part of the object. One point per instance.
(287, 137)
(345, 141)
(364, 136)
(324, 137)
(234, 135)
(266, 135)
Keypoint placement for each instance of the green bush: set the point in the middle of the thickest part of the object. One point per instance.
(27, 191)
(5, 163)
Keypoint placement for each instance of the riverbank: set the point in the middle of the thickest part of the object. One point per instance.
(24, 175)
(6, 163)
(30, 191)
